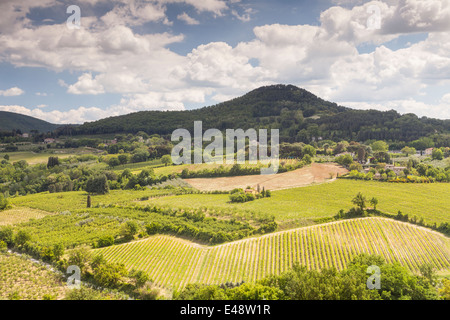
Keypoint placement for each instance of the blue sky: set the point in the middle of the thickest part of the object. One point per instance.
(133, 55)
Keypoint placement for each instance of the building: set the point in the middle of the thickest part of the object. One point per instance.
(49, 140)
(428, 151)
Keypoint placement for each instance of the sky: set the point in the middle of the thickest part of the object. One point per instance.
(124, 56)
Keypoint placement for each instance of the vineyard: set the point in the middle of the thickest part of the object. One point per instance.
(173, 263)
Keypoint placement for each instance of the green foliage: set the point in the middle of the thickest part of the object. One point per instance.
(98, 185)
(360, 201)
(437, 154)
(299, 283)
(129, 229)
(7, 235)
(52, 162)
(105, 241)
(4, 203)
(109, 274)
(80, 257)
(113, 162)
(21, 238)
(166, 160)
(139, 277)
(344, 160)
(241, 197)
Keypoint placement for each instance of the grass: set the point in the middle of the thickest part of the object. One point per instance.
(249, 260)
(291, 207)
(75, 200)
(35, 158)
(300, 206)
(18, 215)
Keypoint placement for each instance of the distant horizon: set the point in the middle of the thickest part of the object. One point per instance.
(76, 61)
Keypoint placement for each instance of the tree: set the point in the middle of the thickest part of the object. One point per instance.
(408, 151)
(89, 201)
(359, 201)
(4, 203)
(113, 162)
(345, 160)
(437, 154)
(379, 146)
(109, 274)
(123, 158)
(22, 237)
(374, 202)
(428, 271)
(98, 184)
(129, 229)
(58, 251)
(139, 277)
(361, 154)
(52, 162)
(308, 149)
(7, 235)
(166, 160)
(444, 291)
(80, 257)
(6, 157)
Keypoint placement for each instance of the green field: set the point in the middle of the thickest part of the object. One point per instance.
(34, 158)
(302, 205)
(291, 207)
(173, 263)
(18, 215)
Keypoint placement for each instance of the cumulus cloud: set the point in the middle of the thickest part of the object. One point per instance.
(86, 85)
(12, 92)
(109, 56)
(187, 19)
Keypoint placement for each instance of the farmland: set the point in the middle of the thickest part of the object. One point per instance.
(18, 215)
(22, 279)
(173, 263)
(303, 205)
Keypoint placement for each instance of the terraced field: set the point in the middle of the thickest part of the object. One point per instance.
(173, 263)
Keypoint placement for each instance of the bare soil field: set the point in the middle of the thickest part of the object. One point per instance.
(313, 174)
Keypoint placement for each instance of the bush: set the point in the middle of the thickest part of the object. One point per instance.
(105, 241)
(4, 203)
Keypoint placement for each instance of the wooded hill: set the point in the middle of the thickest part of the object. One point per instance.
(10, 121)
(300, 115)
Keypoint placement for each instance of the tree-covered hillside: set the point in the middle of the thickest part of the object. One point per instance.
(300, 116)
(10, 121)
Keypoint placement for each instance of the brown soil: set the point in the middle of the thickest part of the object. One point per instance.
(316, 173)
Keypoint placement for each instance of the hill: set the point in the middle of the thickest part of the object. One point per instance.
(10, 121)
(300, 115)
(173, 263)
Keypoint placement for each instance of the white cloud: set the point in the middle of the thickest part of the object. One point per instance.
(421, 109)
(12, 92)
(111, 57)
(86, 85)
(187, 19)
(41, 94)
(245, 17)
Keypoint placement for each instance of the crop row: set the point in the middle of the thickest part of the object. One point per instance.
(173, 263)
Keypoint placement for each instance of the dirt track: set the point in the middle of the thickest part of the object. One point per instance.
(316, 173)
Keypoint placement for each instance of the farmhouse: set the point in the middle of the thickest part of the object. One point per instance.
(49, 140)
